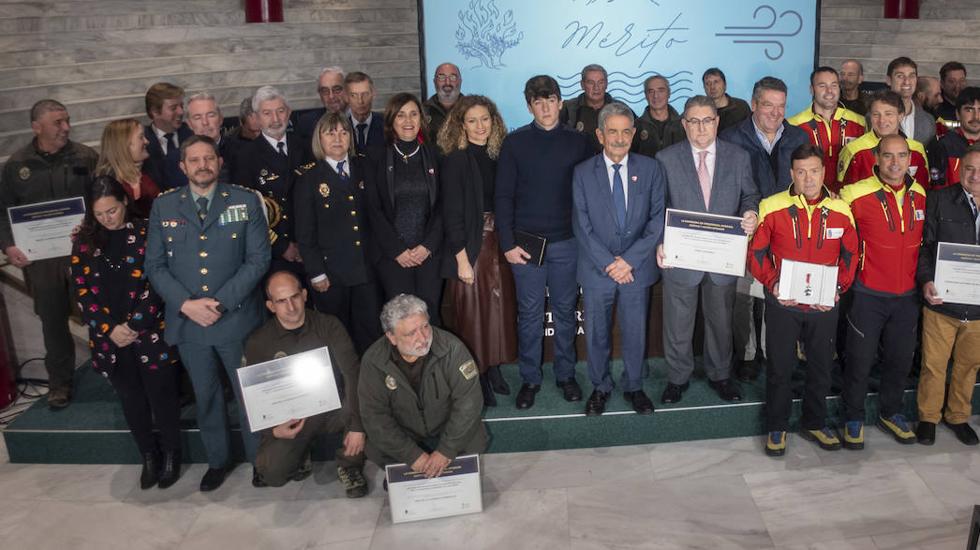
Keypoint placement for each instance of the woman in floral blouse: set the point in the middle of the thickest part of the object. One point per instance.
(125, 321)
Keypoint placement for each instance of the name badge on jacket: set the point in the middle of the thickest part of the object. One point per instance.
(834, 233)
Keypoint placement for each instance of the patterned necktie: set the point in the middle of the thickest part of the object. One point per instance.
(343, 173)
(619, 196)
(361, 138)
(202, 208)
(282, 148)
(704, 178)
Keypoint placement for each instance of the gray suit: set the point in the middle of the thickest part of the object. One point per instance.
(733, 192)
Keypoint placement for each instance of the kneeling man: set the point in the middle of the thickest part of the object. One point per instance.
(419, 392)
(616, 262)
(284, 451)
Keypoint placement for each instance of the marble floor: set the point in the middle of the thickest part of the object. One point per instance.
(707, 494)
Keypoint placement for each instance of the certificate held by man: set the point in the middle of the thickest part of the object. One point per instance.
(958, 273)
(414, 497)
(43, 230)
(288, 387)
(705, 242)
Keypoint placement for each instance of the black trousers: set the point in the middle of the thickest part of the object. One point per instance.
(149, 397)
(357, 307)
(424, 281)
(817, 330)
(894, 321)
(48, 283)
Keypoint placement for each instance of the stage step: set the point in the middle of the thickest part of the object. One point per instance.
(92, 430)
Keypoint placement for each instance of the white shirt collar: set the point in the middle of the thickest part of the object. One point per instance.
(353, 119)
(275, 143)
(333, 164)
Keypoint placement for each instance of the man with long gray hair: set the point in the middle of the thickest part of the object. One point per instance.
(419, 392)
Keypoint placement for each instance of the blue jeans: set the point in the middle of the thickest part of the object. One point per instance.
(556, 278)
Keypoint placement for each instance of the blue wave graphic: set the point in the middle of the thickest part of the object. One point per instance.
(629, 88)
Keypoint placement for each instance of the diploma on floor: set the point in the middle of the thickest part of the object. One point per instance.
(957, 276)
(43, 230)
(413, 497)
(291, 387)
(705, 242)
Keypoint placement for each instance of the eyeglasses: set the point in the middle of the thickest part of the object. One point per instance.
(335, 90)
(702, 122)
(447, 77)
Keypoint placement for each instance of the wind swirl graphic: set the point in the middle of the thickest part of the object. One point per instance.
(629, 88)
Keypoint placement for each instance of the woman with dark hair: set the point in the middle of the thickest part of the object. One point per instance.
(123, 150)
(403, 207)
(125, 321)
(480, 281)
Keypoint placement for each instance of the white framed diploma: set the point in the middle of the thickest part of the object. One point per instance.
(809, 284)
(957, 276)
(413, 497)
(43, 230)
(705, 242)
(291, 387)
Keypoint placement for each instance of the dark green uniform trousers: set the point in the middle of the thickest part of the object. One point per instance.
(49, 284)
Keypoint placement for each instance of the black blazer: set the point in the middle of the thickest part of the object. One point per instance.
(375, 133)
(260, 167)
(167, 175)
(380, 184)
(949, 219)
(462, 208)
(331, 223)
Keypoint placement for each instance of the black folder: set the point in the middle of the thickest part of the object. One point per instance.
(532, 244)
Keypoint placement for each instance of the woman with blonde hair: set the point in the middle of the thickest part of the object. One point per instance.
(123, 151)
(480, 281)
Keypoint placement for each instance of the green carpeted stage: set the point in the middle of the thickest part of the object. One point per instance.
(92, 430)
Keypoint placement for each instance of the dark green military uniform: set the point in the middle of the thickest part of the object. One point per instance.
(32, 176)
(653, 135)
(443, 415)
(435, 117)
(223, 256)
(278, 459)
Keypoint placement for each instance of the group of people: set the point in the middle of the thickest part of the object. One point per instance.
(355, 225)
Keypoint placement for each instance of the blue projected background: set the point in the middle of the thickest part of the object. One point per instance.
(499, 44)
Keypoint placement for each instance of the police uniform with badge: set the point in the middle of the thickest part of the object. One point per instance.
(31, 176)
(333, 238)
(434, 404)
(261, 167)
(222, 256)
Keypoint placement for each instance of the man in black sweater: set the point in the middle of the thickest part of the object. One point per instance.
(533, 199)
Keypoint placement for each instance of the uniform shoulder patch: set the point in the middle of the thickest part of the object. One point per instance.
(469, 370)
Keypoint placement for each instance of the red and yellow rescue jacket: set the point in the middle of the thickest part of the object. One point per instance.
(944, 158)
(857, 160)
(831, 137)
(790, 228)
(889, 223)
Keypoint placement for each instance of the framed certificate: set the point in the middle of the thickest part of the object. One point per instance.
(809, 284)
(957, 277)
(43, 230)
(705, 242)
(295, 386)
(413, 497)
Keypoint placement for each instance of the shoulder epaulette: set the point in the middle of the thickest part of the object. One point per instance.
(168, 191)
(241, 187)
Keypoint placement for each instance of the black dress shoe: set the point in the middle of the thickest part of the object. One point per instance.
(489, 399)
(525, 397)
(213, 479)
(169, 469)
(727, 389)
(570, 390)
(963, 432)
(641, 403)
(596, 404)
(748, 371)
(497, 381)
(257, 480)
(925, 433)
(673, 392)
(148, 477)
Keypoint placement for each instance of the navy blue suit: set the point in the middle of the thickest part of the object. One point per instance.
(165, 168)
(600, 241)
(375, 133)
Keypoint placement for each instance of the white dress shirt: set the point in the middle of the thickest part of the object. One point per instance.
(622, 173)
